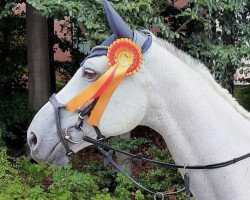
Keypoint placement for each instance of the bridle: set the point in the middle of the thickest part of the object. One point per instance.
(107, 151)
(63, 134)
(100, 142)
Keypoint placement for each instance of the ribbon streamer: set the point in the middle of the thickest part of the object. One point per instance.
(103, 101)
(92, 91)
(125, 58)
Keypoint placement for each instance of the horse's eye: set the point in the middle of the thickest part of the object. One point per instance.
(89, 74)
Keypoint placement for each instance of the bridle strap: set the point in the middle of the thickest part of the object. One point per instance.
(83, 114)
(57, 106)
(164, 164)
(187, 185)
(100, 137)
(157, 195)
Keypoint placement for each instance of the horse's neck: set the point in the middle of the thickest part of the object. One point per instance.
(200, 127)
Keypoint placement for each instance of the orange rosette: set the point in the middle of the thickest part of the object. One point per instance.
(125, 53)
(124, 59)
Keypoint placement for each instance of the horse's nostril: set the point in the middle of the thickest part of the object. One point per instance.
(32, 140)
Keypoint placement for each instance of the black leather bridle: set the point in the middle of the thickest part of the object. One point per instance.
(63, 135)
(107, 151)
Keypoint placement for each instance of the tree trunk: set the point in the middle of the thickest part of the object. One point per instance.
(38, 59)
(51, 55)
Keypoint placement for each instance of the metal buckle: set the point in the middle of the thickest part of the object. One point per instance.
(68, 137)
(70, 154)
(158, 196)
(82, 117)
(102, 139)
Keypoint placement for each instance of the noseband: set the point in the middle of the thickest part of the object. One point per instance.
(57, 107)
(101, 145)
(64, 134)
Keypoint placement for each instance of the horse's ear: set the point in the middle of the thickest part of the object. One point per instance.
(116, 23)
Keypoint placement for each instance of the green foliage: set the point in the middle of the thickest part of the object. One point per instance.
(127, 144)
(14, 114)
(72, 184)
(6, 7)
(140, 14)
(13, 54)
(161, 179)
(102, 196)
(10, 185)
(13, 77)
(242, 94)
(218, 34)
(23, 180)
(159, 154)
(2, 131)
(124, 187)
(122, 190)
(107, 175)
(33, 174)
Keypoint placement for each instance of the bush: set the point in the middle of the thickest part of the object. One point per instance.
(242, 94)
(14, 117)
(24, 180)
(2, 131)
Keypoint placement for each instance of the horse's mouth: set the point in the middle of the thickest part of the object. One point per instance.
(57, 156)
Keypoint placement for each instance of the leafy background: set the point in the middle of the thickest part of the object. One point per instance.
(216, 32)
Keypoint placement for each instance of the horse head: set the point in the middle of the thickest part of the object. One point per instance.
(125, 110)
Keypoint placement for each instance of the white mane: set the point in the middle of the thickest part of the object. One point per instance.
(204, 72)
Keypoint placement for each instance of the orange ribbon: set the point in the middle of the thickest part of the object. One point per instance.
(125, 56)
(100, 88)
(103, 101)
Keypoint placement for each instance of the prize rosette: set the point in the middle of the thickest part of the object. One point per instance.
(124, 59)
(125, 53)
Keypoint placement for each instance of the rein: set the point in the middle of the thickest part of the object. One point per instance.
(107, 151)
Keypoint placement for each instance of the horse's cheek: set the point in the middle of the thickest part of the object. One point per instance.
(124, 112)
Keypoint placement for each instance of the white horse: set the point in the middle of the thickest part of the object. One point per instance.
(173, 94)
